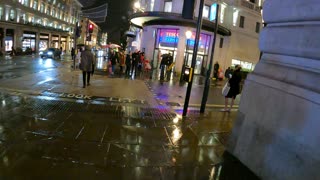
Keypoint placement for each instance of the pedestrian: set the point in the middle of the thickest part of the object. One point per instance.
(135, 59)
(113, 59)
(169, 65)
(128, 64)
(216, 70)
(121, 61)
(72, 53)
(228, 73)
(13, 51)
(234, 83)
(87, 61)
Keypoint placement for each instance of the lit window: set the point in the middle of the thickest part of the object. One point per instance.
(12, 14)
(35, 5)
(206, 11)
(1, 12)
(235, 16)
(168, 6)
(26, 3)
(42, 7)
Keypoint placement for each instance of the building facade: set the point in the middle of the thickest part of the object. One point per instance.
(38, 24)
(163, 26)
(87, 38)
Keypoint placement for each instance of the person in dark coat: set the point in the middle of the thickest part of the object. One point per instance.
(228, 73)
(216, 70)
(234, 83)
(73, 53)
(86, 64)
(128, 64)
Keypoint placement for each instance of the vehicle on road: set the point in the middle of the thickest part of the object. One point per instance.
(50, 53)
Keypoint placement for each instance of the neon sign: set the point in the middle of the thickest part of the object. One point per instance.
(170, 38)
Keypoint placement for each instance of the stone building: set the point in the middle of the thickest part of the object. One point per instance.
(38, 24)
(162, 29)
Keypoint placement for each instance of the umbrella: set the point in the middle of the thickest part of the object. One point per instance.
(114, 46)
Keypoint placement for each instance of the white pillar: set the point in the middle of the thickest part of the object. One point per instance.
(276, 133)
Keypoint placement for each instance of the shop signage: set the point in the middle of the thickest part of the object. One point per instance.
(171, 36)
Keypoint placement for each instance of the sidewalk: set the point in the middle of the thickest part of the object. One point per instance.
(52, 128)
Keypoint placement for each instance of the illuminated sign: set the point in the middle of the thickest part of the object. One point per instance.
(213, 12)
(170, 37)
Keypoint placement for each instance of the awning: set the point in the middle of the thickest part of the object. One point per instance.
(164, 18)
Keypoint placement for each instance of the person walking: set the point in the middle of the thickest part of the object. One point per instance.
(128, 64)
(87, 61)
(228, 73)
(234, 83)
(114, 59)
(135, 59)
(216, 70)
(121, 61)
(72, 53)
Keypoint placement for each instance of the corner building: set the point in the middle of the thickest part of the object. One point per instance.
(163, 30)
(38, 24)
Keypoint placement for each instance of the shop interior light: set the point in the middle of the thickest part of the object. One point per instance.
(188, 34)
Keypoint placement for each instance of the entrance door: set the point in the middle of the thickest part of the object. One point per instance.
(199, 61)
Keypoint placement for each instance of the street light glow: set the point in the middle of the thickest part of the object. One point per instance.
(137, 5)
(188, 34)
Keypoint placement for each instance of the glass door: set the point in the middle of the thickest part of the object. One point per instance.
(199, 61)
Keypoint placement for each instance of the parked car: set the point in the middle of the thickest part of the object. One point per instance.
(50, 53)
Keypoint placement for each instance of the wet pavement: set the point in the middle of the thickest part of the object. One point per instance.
(56, 130)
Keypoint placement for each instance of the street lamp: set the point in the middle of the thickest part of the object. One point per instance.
(188, 36)
(137, 5)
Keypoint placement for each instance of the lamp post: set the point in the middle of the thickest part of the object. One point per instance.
(194, 56)
(188, 36)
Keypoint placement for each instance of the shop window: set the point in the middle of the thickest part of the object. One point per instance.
(246, 66)
(12, 14)
(241, 24)
(206, 11)
(168, 6)
(258, 27)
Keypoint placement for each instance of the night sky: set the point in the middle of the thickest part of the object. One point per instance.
(117, 19)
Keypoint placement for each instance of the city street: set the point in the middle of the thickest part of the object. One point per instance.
(117, 128)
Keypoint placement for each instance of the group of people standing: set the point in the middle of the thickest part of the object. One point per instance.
(133, 63)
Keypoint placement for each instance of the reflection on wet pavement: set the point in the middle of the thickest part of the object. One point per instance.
(55, 139)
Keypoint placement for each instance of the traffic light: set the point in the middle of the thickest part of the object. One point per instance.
(90, 28)
(187, 74)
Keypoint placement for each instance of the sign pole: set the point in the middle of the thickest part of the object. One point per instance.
(194, 56)
(207, 82)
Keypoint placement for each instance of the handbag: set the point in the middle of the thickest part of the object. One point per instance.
(225, 89)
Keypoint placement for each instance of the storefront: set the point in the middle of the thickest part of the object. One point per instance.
(29, 41)
(64, 43)
(9, 38)
(167, 43)
(44, 42)
(55, 41)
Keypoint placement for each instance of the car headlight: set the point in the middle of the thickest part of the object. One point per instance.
(40, 53)
(50, 53)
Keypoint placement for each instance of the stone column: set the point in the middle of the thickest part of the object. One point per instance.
(276, 133)
(181, 49)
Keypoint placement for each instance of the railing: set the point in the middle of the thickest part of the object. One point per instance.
(250, 5)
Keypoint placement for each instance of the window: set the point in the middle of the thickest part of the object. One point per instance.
(1, 12)
(258, 27)
(241, 22)
(221, 42)
(26, 3)
(35, 5)
(206, 11)
(12, 14)
(168, 6)
(42, 7)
